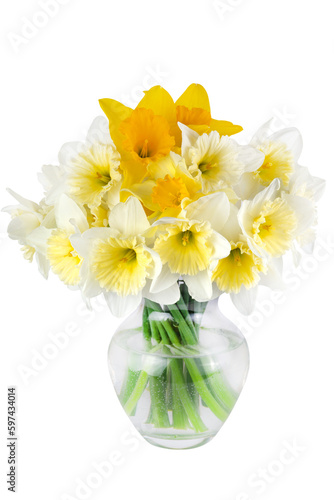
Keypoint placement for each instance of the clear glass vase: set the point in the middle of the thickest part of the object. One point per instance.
(178, 370)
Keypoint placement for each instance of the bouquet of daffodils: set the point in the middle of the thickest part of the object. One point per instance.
(162, 193)
(161, 203)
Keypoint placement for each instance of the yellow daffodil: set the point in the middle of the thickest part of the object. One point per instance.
(169, 183)
(193, 110)
(150, 131)
(144, 134)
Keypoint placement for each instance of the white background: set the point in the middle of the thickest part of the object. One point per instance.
(257, 59)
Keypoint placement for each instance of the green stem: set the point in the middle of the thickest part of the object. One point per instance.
(158, 398)
(136, 393)
(204, 391)
(185, 398)
(180, 419)
(128, 385)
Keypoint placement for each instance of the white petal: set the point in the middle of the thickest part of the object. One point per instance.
(164, 280)
(273, 278)
(247, 187)
(263, 133)
(189, 138)
(129, 218)
(69, 151)
(53, 179)
(99, 131)
(168, 296)
(65, 210)
(30, 205)
(251, 158)
(82, 242)
(199, 286)
(21, 226)
(221, 247)
(292, 138)
(166, 220)
(38, 239)
(232, 229)
(113, 195)
(304, 210)
(302, 183)
(156, 261)
(216, 292)
(122, 306)
(43, 265)
(245, 300)
(251, 208)
(214, 208)
(89, 285)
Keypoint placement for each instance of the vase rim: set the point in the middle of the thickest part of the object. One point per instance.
(212, 341)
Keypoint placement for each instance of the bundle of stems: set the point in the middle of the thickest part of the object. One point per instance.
(189, 380)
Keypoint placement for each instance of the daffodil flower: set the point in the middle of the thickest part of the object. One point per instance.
(92, 167)
(191, 246)
(193, 110)
(303, 184)
(281, 152)
(217, 162)
(27, 218)
(168, 184)
(117, 261)
(150, 131)
(273, 219)
(52, 241)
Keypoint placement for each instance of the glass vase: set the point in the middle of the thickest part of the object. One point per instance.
(178, 370)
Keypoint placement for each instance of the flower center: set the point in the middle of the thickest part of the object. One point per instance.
(146, 135)
(169, 192)
(185, 247)
(93, 173)
(121, 266)
(278, 163)
(274, 227)
(63, 258)
(241, 267)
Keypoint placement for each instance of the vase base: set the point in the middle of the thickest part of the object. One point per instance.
(178, 442)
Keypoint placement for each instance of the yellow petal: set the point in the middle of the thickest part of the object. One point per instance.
(133, 172)
(225, 128)
(195, 96)
(160, 102)
(116, 112)
(143, 192)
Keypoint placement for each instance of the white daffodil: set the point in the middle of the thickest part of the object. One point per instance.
(303, 184)
(117, 260)
(53, 180)
(242, 271)
(217, 162)
(54, 242)
(28, 218)
(273, 219)
(93, 174)
(281, 152)
(191, 246)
